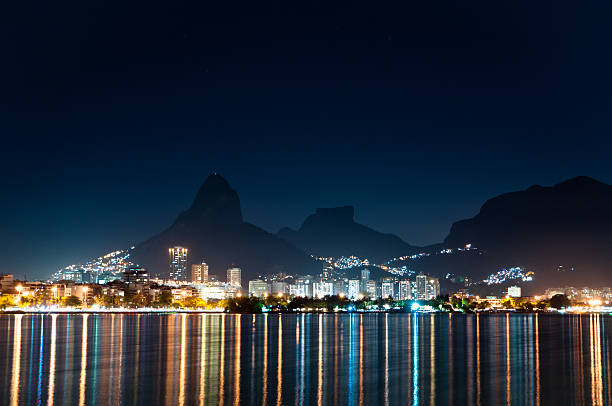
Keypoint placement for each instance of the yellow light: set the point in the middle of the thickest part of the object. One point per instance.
(54, 288)
(280, 294)
(19, 288)
(238, 294)
(594, 302)
(341, 295)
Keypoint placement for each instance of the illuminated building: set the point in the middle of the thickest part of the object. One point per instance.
(234, 277)
(421, 287)
(426, 288)
(259, 288)
(302, 288)
(433, 288)
(6, 282)
(280, 287)
(178, 263)
(353, 289)
(514, 291)
(322, 289)
(199, 273)
(387, 289)
(404, 290)
(365, 277)
(371, 290)
(136, 274)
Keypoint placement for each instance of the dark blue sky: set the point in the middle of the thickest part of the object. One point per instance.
(113, 114)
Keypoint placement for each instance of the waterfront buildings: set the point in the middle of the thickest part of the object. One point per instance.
(353, 289)
(136, 274)
(514, 291)
(404, 290)
(6, 282)
(199, 273)
(178, 263)
(387, 289)
(259, 288)
(426, 288)
(279, 287)
(322, 289)
(365, 277)
(234, 277)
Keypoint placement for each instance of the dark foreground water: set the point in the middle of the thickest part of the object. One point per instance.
(354, 359)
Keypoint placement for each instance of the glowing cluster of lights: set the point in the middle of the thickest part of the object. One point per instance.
(505, 275)
(114, 262)
(345, 262)
(401, 271)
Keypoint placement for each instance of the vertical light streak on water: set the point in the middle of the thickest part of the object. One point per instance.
(222, 363)
(302, 366)
(415, 361)
(120, 369)
(183, 360)
(68, 355)
(478, 395)
(16, 360)
(137, 360)
(31, 360)
(508, 378)
(578, 355)
(386, 359)
(203, 319)
(40, 359)
(237, 344)
(51, 389)
(279, 377)
(265, 361)
(320, 363)
(469, 361)
(83, 376)
(253, 357)
(361, 385)
(432, 360)
(351, 383)
(170, 340)
(537, 361)
(297, 362)
(607, 372)
(409, 348)
(595, 340)
(450, 358)
(94, 387)
(336, 353)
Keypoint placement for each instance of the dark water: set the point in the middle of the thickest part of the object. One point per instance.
(353, 359)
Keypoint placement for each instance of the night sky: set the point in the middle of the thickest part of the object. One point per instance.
(113, 113)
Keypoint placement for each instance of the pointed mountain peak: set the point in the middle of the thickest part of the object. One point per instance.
(215, 202)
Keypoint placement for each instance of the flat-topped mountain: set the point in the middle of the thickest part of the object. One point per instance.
(213, 230)
(334, 232)
(553, 229)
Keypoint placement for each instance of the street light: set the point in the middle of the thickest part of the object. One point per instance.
(19, 289)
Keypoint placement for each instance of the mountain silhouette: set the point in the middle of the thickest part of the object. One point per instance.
(564, 232)
(334, 232)
(213, 230)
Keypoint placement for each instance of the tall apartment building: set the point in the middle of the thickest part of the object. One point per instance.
(234, 277)
(178, 263)
(199, 273)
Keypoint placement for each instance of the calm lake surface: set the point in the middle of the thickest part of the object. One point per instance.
(304, 359)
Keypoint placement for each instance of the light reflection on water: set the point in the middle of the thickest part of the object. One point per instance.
(348, 359)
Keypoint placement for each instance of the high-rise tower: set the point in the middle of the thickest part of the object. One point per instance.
(178, 263)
